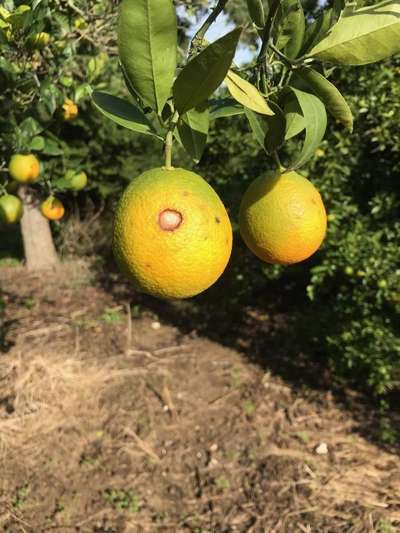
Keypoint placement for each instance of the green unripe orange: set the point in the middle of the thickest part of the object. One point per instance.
(11, 209)
(24, 168)
(77, 181)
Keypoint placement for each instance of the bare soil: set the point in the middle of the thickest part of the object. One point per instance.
(121, 415)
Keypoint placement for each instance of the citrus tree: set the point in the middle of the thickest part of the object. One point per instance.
(162, 232)
(50, 51)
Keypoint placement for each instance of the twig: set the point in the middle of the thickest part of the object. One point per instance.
(266, 36)
(143, 445)
(199, 35)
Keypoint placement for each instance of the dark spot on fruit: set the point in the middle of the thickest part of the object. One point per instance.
(185, 193)
(147, 265)
(314, 201)
(217, 220)
(169, 220)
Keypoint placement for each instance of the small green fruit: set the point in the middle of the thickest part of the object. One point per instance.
(77, 181)
(11, 209)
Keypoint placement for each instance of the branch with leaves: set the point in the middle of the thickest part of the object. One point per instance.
(292, 95)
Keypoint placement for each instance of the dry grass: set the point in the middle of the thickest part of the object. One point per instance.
(50, 393)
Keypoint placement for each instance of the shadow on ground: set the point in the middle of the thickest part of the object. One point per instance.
(273, 329)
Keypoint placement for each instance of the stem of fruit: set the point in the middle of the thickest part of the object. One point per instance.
(277, 160)
(199, 35)
(169, 139)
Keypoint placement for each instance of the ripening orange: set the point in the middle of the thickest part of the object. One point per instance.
(70, 109)
(282, 218)
(52, 208)
(24, 168)
(172, 234)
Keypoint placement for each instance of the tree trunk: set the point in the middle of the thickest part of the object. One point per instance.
(40, 252)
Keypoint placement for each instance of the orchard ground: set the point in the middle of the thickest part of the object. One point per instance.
(121, 413)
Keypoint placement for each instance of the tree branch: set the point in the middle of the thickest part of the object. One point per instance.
(199, 35)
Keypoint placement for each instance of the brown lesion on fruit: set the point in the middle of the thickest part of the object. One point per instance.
(170, 219)
(185, 193)
(217, 220)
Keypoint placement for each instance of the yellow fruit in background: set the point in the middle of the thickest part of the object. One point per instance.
(282, 218)
(52, 208)
(172, 234)
(40, 40)
(24, 168)
(11, 209)
(70, 109)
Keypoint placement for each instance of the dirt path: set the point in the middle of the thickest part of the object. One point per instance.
(113, 421)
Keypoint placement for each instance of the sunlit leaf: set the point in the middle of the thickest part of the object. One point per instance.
(329, 94)
(314, 114)
(365, 36)
(147, 44)
(122, 112)
(205, 72)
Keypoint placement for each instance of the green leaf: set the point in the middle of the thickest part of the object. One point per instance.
(290, 24)
(269, 132)
(147, 44)
(31, 127)
(295, 28)
(52, 148)
(123, 113)
(62, 184)
(246, 94)
(203, 74)
(365, 36)
(193, 130)
(314, 114)
(256, 11)
(37, 143)
(294, 117)
(329, 94)
(224, 107)
(317, 30)
(276, 128)
(257, 125)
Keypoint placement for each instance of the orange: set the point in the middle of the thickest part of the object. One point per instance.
(77, 181)
(52, 208)
(172, 234)
(24, 168)
(11, 209)
(282, 218)
(70, 109)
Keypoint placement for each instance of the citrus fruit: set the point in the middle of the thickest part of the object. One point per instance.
(77, 181)
(52, 208)
(11, 209)
(70, 109)
(282, 218)
(24, 168)
(172, 234)
(40, 40)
